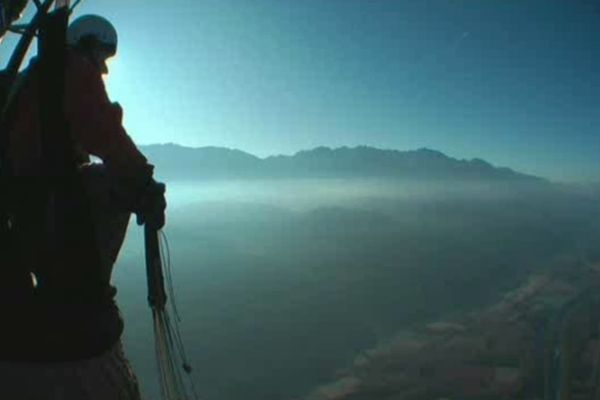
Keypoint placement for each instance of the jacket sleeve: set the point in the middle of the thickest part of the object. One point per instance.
(96, 123)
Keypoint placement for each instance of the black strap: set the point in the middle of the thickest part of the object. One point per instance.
(73, 258)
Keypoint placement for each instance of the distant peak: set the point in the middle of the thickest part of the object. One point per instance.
(427, 150)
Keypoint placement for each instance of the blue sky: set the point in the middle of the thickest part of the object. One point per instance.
(516, 82)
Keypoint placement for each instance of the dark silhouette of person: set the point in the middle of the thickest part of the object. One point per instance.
(75, 351)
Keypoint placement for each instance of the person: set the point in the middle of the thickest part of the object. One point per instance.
(69, 346)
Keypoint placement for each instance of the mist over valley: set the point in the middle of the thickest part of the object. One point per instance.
(284, 275)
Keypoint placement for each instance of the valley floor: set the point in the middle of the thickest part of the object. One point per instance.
(541, 340)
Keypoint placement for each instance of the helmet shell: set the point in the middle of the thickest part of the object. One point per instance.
(93, 27)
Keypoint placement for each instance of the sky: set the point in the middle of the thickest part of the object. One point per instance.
(515, 82)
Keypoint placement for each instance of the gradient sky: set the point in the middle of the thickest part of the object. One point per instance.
(516, 82)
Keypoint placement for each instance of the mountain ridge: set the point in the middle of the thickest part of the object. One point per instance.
(174, 161)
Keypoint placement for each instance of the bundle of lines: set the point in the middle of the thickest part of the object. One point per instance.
(170, 353)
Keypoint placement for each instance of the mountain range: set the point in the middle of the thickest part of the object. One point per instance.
(175, 162)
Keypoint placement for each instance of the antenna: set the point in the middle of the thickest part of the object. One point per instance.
(75, 4)
(19, 53)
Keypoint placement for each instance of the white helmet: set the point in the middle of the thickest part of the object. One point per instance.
(93, 30)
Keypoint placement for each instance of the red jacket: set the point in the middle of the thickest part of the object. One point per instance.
(95, 124)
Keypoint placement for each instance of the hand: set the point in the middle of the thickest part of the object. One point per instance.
(152, 205)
